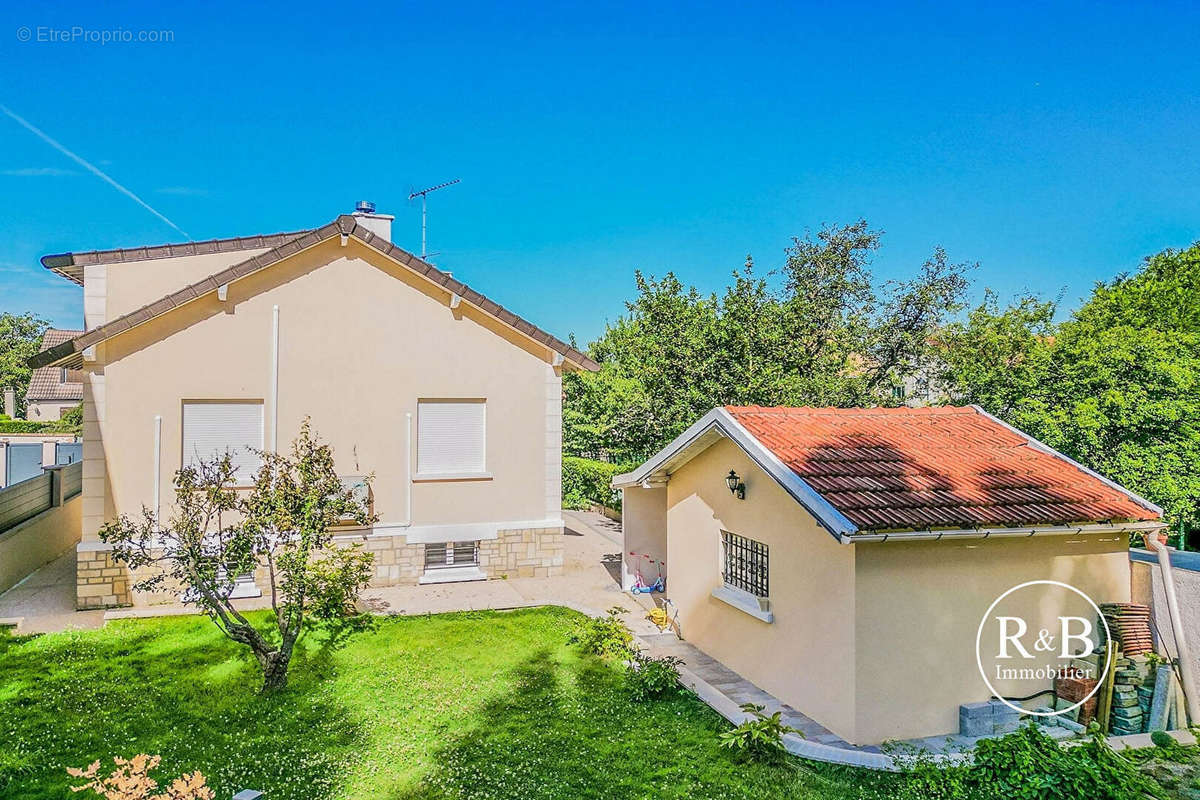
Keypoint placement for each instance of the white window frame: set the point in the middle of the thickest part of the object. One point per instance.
(423, 471)
(242, 479)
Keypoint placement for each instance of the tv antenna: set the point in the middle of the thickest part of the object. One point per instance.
(422, 193)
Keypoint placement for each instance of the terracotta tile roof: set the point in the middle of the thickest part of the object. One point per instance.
(69, 352)
(45, 383)
(70, 265)
(930, 468)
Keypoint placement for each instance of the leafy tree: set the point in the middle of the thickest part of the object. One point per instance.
(817, 331)
(999, 358)
(1116, 386)
(20, 339)
(284, 523)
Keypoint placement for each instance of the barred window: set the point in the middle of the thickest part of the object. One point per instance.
(451, 554)
(745, 564)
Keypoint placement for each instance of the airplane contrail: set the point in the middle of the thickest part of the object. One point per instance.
(89, 167)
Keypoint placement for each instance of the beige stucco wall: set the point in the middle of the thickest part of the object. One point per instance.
(644, 529)
(362, 339)
(917, 610)
(1148, 590)
(133, 284)
(46, 410)
(38, 541)
(806, 655)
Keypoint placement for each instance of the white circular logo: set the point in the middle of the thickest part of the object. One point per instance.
(1035, 633)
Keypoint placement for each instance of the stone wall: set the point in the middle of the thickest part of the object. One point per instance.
(531, 553)
(523, 553)
(100, 582)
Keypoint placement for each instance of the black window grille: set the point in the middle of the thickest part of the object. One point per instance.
(746, 564)
(451, 554)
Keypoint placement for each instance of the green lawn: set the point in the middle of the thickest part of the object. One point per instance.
(471, 705)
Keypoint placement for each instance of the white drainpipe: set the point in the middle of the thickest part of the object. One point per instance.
(274, 443)
(408, 477)
(1185, 656)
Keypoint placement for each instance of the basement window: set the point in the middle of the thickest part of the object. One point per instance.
(441, 555)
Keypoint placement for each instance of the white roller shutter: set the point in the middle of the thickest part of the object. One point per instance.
(212, 429)
(451, 437)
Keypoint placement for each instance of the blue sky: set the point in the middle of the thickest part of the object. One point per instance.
(1056, 144)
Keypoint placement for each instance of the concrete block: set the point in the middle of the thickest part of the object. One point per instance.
(1159, 707)
(974, 710)
(975, 726)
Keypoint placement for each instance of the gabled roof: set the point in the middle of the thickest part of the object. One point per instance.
(69, 353)
(910, 469)
(45, 383)
(70, 265)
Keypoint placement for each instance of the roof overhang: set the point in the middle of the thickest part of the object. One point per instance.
(71, 353)
(719, 423)
(71, 265)
(1018, 532)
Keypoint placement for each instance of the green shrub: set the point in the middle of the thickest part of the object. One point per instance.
(1162, 739)
(585, 481)
(1029, 765)
(761, 736)
(604, 636)
(650, 677)
(71, 422)
(26, 426)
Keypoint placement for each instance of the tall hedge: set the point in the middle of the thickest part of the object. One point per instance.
(585, 481)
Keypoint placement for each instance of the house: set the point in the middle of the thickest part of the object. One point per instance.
(451, 401)
(842, 559)
(53, 390)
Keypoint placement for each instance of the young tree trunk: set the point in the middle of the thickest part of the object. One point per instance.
(275, 670)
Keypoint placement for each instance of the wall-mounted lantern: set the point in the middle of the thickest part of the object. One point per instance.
(736, 485)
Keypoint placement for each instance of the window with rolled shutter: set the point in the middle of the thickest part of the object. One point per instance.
(451, 437)
(213, 429)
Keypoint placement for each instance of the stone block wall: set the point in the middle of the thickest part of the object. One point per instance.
(530, 553)
(100, 582)
(525, 553)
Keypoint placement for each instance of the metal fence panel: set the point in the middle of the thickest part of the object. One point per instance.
(26, 499)
(72, 479)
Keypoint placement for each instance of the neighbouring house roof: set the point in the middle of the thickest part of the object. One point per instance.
(69, 353)
(46, 384)
(909, 469)
(70, 265)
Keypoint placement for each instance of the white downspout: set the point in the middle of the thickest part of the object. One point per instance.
(1185, 656)
(157, 471)
(408, 477)
(275, 379)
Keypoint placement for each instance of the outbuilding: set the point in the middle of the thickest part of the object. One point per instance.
(842, 559)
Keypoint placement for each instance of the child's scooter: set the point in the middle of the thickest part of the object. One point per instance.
(640, 586)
